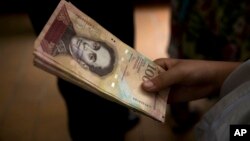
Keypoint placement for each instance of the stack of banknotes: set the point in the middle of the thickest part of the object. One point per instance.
(76, 48)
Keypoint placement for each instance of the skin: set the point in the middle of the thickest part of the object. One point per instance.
(190, 79)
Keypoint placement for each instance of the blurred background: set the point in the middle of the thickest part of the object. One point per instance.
(31, 108)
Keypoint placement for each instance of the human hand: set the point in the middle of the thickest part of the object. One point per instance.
(189, 79)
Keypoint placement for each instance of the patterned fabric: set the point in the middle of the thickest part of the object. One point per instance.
(211, 29)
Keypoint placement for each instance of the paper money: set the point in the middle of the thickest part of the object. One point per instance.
(76, 48)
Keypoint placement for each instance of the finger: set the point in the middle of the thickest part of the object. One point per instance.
(161, 62)
(162, 81)
(188, 93)
(166, 63)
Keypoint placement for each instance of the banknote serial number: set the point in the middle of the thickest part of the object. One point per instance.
(141, 102)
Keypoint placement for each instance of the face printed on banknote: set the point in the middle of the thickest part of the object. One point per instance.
(96, 55)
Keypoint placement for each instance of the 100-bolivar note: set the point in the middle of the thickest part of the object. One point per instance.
(75, 47)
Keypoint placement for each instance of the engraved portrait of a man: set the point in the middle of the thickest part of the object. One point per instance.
(62, 39)
(92, 55)
(98, 56)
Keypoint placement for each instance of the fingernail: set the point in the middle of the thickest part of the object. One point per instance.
(148, 84)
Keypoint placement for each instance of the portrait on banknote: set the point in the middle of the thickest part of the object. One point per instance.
(98, 57)
(95, 56)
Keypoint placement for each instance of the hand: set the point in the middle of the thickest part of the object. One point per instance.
(189, 79)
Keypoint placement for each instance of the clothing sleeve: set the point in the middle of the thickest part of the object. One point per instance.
(236, 78)
(232, 108)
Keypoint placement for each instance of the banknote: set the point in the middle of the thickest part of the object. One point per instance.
(76, 48)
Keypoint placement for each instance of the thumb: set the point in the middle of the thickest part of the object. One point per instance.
(162, 81)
